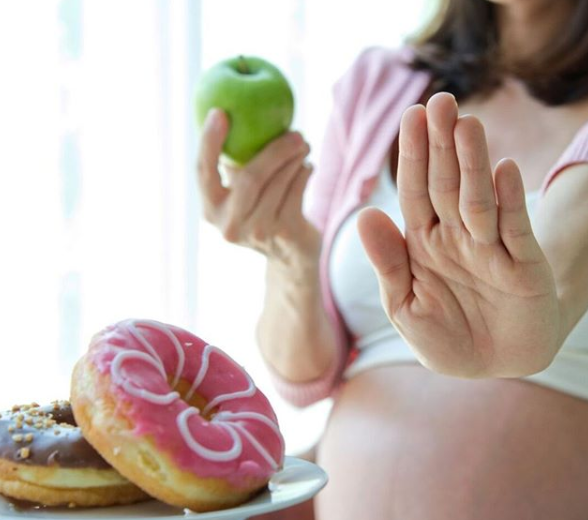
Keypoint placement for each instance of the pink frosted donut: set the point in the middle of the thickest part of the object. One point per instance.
(175, 415)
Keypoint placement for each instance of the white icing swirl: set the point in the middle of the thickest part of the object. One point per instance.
(206, 453)
(121, 380)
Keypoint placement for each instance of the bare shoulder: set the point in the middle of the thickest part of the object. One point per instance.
(568, 190)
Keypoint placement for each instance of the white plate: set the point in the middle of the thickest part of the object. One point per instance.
(297, 482)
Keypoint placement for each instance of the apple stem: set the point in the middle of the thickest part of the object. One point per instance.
(243, 66)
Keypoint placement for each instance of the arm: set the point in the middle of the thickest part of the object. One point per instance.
(295, 335)
(561, 227)
(262, 209)
(307, 350)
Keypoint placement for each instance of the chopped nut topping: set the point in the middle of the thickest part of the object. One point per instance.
(35, 405)
(29, 437)
(16, 408)
(20, 417)
(29, 421)
(17, 437)
(24, 407)
(11, 429)
(56, 431)
(71, 505)
(34, 413)
(24, 453)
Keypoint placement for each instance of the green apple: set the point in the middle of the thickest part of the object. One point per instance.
(257, 98)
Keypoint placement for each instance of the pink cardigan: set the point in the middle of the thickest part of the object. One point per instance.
(368, 103)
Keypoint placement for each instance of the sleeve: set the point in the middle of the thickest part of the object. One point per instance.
(576, 153)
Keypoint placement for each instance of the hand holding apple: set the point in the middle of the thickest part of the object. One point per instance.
(260, 207)
(257, 99)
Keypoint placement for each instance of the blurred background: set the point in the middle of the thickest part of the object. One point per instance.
(99, 211)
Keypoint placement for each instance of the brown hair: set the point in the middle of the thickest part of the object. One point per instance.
(460, 49)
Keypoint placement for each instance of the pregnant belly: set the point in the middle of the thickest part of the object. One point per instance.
(421, 445)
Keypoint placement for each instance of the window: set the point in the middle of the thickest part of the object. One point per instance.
(99, 217)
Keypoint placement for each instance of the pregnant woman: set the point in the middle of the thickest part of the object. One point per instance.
(437, 291)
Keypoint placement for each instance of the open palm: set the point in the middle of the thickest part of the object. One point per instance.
(467, 286)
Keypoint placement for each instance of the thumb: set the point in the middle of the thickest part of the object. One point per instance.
(212, 138)
(214, 132)
(386, 249)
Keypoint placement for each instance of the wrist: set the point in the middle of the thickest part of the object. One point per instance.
(298, 259)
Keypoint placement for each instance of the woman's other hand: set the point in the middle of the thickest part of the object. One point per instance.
(260, 206)
(468, 285)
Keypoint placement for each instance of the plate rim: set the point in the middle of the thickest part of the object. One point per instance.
(242, 511)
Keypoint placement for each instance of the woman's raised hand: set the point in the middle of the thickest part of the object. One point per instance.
(467, 286)
(261, 207)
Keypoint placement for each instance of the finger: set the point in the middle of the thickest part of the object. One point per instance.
(443, 164)
(292, 207)
(277, 153)
(477, 200)
(413, 167)
(214, 133)
(249, 184)
(386, 249)
(276, 191)
(513, 219)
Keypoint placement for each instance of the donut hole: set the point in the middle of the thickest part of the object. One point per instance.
(196, 400)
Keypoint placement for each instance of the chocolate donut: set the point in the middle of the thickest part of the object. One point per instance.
(45, 459)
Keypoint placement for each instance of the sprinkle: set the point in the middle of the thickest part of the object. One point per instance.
(17, 437)
(116, 450)
(29, 437)
(24, 453)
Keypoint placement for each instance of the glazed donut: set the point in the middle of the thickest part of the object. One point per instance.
(176, 416)
(45, 459)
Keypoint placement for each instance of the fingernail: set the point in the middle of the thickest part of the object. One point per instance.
(213, 118)
(296, 138)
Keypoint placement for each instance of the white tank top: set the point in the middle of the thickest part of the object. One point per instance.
(356, 292)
